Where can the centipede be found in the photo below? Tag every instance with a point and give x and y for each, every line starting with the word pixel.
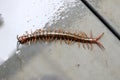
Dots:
pixel 61 35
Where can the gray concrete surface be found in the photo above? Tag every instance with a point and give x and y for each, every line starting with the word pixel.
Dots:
pixel 110 10
pixel 55 61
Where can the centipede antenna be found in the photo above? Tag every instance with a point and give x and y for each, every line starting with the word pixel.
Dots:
pixel 18 45
pixel 18 50
pixel 17 37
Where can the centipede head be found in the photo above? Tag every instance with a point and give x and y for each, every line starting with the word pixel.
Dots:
pixel 22 39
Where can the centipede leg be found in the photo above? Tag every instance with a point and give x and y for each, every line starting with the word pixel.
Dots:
pixel 49 39
pixel 84 46
pixel 29 42
pixel 87 45
pixel 35 40
pixel 70 42
pixel 66 41
pixel 55 40
pixel 78 44
pixel 60 30
pixel 31 31
pixel 91 36
pixel 60 41
pixel 98 43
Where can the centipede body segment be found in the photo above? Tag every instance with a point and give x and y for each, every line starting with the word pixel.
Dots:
pixel 61 35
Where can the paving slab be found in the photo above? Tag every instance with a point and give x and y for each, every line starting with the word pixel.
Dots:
pixel 109 10
pixel 55 61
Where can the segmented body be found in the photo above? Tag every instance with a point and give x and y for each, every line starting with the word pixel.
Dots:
pixel 66 36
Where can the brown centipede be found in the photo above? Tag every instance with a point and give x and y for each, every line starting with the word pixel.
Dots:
pixel 61 35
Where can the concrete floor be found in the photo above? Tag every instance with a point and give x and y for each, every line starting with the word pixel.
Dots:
pixel 55 61
pixel 109 9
